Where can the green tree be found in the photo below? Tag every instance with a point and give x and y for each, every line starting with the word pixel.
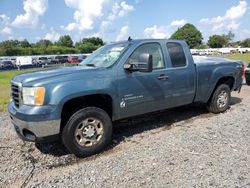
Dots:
pixel 86 47
pixel 65 41
pixel 94 40
pixel 9 47
pixel 63 46
pixel 229 37
pixel 245 43
pixel 217 41
pixel 235 44
pixel 190 34
pixel 24 43
pixel 44 43
pixel 10 43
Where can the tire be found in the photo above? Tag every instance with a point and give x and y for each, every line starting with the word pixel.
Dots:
pixel 248 82
pixel 87 132
pixel 219 102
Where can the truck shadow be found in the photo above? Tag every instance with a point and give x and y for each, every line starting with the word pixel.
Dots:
pixel 123 130
pixel 235 100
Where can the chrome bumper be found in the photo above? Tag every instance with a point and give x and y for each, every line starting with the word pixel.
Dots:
pixel 35 131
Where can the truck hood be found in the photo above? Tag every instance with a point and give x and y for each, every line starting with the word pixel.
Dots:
pixel 50 74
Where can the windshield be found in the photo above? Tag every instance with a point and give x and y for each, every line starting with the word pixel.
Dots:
pixel 105 56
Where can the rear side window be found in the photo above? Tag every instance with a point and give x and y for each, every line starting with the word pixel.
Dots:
pixel 176 54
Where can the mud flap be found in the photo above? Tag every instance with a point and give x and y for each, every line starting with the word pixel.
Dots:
pixel 239 88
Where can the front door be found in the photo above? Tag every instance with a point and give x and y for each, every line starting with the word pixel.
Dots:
pixel 141 92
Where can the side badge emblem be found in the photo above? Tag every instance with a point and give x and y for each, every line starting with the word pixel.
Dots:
pixel 122 104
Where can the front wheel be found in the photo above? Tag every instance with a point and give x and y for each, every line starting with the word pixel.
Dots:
pixel 219 102
pixel 87 132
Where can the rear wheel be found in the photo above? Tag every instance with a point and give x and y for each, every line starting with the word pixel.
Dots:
pixel 87 132
pixel 248 82
pixel 219 102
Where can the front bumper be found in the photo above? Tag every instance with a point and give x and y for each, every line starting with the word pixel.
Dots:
pixel 30 127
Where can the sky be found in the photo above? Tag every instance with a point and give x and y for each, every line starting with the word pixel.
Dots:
pixel 115 20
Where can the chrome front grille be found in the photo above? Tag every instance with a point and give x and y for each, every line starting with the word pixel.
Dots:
pixel 16 93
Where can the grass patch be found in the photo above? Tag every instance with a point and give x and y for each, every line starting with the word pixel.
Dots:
pixel 5 78
pixel 243 57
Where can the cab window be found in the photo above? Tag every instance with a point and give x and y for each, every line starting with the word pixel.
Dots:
pixel 176 54
pixel 153 49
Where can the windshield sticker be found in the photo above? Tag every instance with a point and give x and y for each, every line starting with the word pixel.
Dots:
pixel 116 49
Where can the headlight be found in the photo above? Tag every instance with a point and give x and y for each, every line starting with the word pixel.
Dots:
pixel 33 95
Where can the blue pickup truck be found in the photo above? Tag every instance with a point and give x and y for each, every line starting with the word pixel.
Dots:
pixel 120 80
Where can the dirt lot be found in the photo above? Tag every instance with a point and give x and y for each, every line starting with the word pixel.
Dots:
pixel 183 147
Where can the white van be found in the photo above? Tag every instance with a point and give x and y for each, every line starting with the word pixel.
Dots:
pixel 23 61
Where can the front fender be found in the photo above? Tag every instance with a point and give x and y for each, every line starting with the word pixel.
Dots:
pixel 60 93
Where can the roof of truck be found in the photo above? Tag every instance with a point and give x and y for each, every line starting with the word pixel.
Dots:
pixel 147 40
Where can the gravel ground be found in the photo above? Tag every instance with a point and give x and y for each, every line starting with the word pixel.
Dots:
pixel 183 147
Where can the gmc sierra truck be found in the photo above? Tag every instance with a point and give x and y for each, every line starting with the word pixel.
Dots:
pixel 120 80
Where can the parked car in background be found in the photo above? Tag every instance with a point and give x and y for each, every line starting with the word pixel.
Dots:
pixel 13 60
pixel 34 60
pixel 82 57
pixel 24 61
pixel 74 59
pixel 247 74
pixel 50 60
pixel 59 59
pixel 6 65
pixel 42 61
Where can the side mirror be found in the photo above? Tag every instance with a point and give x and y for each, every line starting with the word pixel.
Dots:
pixel 144 64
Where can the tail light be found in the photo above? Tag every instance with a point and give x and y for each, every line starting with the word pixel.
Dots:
pixel 243 71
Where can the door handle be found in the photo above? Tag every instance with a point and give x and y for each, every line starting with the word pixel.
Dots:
pixel 163 77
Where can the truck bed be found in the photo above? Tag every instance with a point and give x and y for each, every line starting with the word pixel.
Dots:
pixel 211 60
pixel 208 67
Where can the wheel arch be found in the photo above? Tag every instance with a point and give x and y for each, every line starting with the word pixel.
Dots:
pixel 102 100
pixel 228 80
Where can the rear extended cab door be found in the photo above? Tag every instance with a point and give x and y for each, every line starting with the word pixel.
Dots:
pixel 181 72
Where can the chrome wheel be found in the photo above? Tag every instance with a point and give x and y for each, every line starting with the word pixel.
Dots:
pixel 89 132
pixel 222 99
